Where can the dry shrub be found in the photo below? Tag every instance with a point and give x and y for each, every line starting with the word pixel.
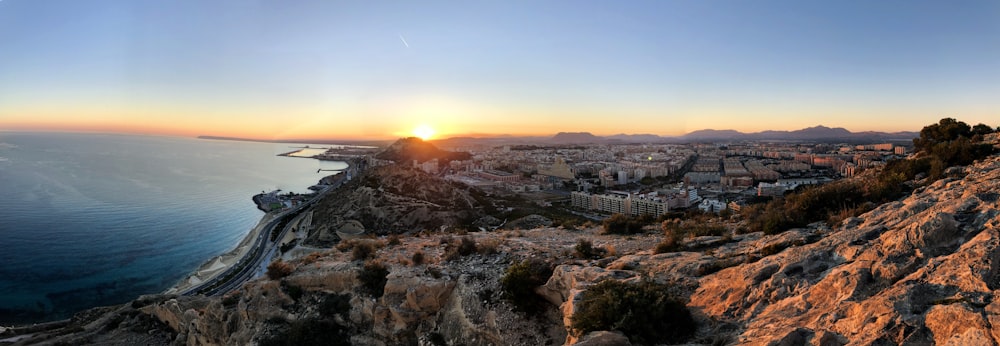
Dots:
pixel 464 247
pixel 394 240
pixel 584 249
pixel 417 258
pixel 362 251
pixel 669 244
pixel 345 245
pixel 488 246
pixel 446 240
pixel 279 269
pixel 312 258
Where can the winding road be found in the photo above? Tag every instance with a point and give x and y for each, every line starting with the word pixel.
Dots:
pixel 255 261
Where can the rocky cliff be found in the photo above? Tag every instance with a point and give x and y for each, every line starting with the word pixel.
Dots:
pixel 921 270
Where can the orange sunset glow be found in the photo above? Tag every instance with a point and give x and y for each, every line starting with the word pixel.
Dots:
pixel 333 71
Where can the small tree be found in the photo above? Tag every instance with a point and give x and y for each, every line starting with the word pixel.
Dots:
pixel 519 282
pixel 373 277
pixel 644 312
pixel 584 249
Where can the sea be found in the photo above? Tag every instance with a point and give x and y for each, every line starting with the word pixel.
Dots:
pixel 90 220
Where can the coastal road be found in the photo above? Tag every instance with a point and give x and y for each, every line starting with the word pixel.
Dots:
pixel 263 249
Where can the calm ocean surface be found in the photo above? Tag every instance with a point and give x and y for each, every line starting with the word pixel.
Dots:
pixel 89 220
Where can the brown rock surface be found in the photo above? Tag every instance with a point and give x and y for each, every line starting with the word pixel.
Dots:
pixel 922 270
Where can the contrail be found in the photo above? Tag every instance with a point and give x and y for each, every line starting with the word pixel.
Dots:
pixel 401 38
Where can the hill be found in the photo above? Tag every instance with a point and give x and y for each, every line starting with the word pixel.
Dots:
pixel 576 138
pixel 406 150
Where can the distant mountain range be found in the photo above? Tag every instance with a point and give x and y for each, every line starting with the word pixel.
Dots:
pixel 818 133
pixel 812 134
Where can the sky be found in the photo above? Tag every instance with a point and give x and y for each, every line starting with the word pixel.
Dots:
pixel 273 69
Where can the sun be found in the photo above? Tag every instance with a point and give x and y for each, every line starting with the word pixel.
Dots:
pixel 424 132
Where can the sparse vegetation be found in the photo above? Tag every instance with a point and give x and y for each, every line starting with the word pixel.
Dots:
pixel 457 249
pixel 312 258
pixel 668 244
pixel 488 246
pixel 362 251
pixel 644 312
pixel 393 240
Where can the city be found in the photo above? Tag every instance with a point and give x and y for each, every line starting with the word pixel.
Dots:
pixel 655 179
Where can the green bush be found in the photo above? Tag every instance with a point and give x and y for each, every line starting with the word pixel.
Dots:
pixel 373 278
pixel 623 224
pixel 644 312
pixel 519 281
pixel 585 249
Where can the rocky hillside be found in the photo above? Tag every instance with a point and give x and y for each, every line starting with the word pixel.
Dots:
pixel 921 270
pixel 397 199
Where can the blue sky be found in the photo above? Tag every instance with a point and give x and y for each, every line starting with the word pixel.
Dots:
pixel 330 68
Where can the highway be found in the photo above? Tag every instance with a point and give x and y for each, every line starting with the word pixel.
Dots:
pixel 255 261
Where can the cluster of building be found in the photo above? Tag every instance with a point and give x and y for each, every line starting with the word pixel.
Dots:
pixel 654 203
pixel 623 178
pixel 528 169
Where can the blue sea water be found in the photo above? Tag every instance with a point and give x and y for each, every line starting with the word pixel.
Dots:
pixel 89 220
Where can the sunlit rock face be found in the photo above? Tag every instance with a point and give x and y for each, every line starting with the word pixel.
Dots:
pixel 922 270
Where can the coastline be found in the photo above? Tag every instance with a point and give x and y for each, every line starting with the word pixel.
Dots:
pixel 218 264
pixel 215 266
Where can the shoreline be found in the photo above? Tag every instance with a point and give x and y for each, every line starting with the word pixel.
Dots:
pixel 218 264
pixel 215 266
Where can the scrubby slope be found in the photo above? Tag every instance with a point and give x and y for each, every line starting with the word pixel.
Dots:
pixel 397 199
